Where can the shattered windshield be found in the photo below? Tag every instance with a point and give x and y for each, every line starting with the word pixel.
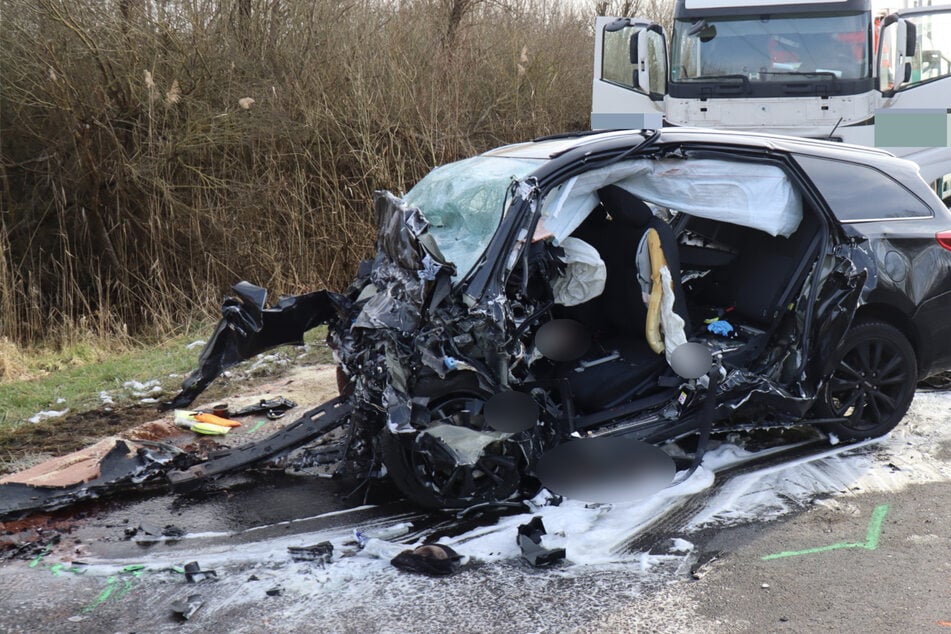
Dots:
pixel 772 48
pixel 463 203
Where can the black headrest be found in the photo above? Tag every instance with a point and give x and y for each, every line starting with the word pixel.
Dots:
pixel 625 207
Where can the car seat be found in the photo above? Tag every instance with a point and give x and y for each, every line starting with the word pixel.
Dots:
pixel 617 318
pixel 756 283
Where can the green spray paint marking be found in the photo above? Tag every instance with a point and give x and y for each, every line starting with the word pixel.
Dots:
pixel 258 426
pixel 131 575
pixel 39 557
pixel 103 596
pixel 136 571
pixel 872 536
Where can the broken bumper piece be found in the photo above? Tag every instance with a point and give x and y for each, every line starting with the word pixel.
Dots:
pixel 186 608
pixel 312 424
pixel 530 542
pixel 322 553
pixel 109 466
pixel 194 573
pixel 248 328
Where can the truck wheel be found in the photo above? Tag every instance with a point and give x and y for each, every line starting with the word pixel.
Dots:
pixel 870 381
pixel 425 470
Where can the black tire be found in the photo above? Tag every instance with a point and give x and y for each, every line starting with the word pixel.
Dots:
pixel 870 380
pixel 427 474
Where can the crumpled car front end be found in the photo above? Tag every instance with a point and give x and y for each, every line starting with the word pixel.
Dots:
pixel 412 348
pixel 420 361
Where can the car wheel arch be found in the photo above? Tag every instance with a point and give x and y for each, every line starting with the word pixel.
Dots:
pixel 894 317
pixel 870 381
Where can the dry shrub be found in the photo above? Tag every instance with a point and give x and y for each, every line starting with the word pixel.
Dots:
pixel 154 153
pixel 13 364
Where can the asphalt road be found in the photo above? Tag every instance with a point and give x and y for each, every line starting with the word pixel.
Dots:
pixel 835 575
pixel 903 584
pixel 862 544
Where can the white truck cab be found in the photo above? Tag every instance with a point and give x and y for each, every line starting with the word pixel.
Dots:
pixel 815 69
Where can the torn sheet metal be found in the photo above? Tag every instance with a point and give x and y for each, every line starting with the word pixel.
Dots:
pixel 750 395
pixel 529 540
pixel 399 410
pixel 322 553
pixel 407 264
pixel 835 306
pixel 312 424
pixel 248 328
pixel 108 467
pixel 115 465
pixel 465 445
pixel 186 607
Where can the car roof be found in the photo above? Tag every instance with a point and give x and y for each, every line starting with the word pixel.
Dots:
pixel 552 147
pixel 548 147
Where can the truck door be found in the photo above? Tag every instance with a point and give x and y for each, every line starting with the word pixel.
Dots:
pixel 914 78
pixel 630 74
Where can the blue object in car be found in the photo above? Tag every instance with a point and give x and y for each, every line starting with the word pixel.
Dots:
pixel 720 327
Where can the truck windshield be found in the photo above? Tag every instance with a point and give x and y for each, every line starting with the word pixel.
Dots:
pixel 463 202
pixel 772 48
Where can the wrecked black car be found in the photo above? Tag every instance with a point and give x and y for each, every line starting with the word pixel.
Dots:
pixel 637 286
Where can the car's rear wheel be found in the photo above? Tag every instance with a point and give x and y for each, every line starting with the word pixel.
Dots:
pixel 870 381
pixel 426 470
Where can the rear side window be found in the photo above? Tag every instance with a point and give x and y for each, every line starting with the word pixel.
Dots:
pixel 857 192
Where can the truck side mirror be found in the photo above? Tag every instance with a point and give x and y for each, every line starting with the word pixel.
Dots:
pixel 909 33
pixel 904 35
pixel 635 60
pixel 911 39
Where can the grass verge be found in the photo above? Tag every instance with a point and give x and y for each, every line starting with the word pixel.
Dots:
pixel 113 392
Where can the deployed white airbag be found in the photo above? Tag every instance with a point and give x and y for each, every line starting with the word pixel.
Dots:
pixel 671 323
pixel 748 194
pixel 584 274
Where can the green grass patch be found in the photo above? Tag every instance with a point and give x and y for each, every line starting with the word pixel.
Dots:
pixel 75 379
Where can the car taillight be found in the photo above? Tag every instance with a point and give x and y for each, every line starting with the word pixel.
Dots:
pixel 944 239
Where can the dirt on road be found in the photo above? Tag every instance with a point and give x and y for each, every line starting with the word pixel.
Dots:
pixel 29 445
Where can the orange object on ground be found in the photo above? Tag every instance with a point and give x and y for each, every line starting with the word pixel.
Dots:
pixel 202 417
